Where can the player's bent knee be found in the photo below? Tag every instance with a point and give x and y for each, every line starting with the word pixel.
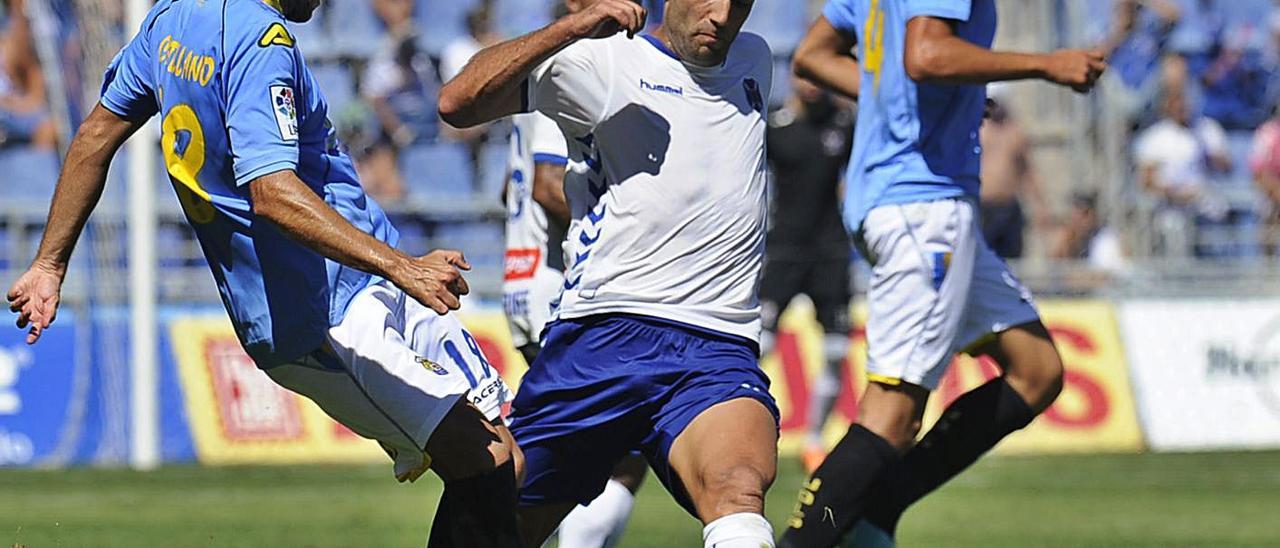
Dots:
pixel 733 490
pixel 1040 381
pixel 466 445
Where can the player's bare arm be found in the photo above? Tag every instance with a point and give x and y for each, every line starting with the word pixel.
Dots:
pixel 285 201
pixel 548 192
pixel 935 54
pixel 825 56
pixel 35 295
pixel 490 86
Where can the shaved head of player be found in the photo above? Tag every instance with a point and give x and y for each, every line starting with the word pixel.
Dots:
pixel 653 343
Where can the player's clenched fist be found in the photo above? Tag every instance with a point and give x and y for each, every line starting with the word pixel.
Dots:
pixel 607 18
pixel 34 297
pixel 434 279
pixel 1077 69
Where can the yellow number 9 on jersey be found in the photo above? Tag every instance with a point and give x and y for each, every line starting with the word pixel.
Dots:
pixel 182 140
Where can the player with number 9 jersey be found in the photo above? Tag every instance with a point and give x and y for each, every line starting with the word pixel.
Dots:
pixel 238 105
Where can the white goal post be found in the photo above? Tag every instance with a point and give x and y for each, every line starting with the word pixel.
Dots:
pixel 144 451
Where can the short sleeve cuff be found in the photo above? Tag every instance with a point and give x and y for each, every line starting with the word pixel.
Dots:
pixel 553 159
pixel 946 9
pixel 250 172
pixel 121 108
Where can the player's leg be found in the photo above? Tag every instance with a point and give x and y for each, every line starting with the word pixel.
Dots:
pixel 601 523
pixel 828 286
pixel 725 460
pixel 713 442
pixel 407 358
pixel 979 419
pixel 463 444
pixel 574 433
pixel 923 257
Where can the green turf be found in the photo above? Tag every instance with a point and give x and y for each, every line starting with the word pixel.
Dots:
pixel 1132 500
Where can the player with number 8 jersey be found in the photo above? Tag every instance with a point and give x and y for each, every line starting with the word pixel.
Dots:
pixel 304 260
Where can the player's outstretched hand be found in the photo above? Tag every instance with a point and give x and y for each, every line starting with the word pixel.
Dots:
pixel 434 279
pixel 34 297
pixel 1077 69
pixel 609 17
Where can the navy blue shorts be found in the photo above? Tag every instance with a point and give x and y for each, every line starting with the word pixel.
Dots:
pixel 604 386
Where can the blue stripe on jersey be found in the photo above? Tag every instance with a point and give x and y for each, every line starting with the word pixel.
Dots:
pixel 553 159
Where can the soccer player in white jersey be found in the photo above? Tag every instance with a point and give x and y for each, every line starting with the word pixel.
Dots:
pixel 936 288
pixel 654 341
pixel 537 220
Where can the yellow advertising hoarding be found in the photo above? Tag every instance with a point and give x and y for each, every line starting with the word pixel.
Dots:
pixel 1095 412
pixel 238 415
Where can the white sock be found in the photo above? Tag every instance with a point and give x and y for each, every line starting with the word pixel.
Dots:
pixel 599 524
pixel 738 531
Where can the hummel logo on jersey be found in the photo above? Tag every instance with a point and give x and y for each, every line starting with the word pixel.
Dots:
pixel 661 88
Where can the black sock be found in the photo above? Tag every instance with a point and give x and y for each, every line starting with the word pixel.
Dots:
pixel 834 499
pixel 974 423
pixel 478 512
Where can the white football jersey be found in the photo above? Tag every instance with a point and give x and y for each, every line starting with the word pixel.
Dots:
pixel 667 183
pixel 534 263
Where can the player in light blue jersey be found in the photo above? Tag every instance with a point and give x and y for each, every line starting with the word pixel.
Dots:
pixel 936 288
pixel 305 261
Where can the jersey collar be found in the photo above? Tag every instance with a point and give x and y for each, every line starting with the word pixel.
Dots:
pixel 275 5
pixel 661 47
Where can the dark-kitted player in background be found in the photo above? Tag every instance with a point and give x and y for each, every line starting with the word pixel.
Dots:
pixel 808 248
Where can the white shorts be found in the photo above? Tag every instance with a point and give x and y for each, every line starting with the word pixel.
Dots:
pixel 393 370
pixel 936 289
pixel 528 304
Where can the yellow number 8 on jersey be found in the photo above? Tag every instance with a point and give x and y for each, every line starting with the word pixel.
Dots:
pixel 182 140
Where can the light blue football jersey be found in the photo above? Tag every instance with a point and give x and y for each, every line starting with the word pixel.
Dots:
pixel 237 102
pixel 914 141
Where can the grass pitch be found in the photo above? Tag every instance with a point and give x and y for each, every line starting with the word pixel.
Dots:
pixel 1223 499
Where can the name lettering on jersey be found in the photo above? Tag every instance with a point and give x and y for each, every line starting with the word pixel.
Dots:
pixel 661 88
pixel 185 63
pixel 276 35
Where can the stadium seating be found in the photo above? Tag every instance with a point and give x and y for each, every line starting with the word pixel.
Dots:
pixel 353 27
pixel 481 242
pixel 782 24
pixel 438 170
pixel 516 17
pixel 31 175
pixel 440 21
pixel 493 159
pixel 337 84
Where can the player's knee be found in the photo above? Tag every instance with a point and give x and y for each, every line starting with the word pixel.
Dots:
pixel 465 445
pixel 1039 381
pixel 736 489
pixel 899 429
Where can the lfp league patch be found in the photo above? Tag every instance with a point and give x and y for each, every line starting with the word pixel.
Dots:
pixel 285 106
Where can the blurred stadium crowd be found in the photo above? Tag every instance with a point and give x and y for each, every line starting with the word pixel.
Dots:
pixel 1175 158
